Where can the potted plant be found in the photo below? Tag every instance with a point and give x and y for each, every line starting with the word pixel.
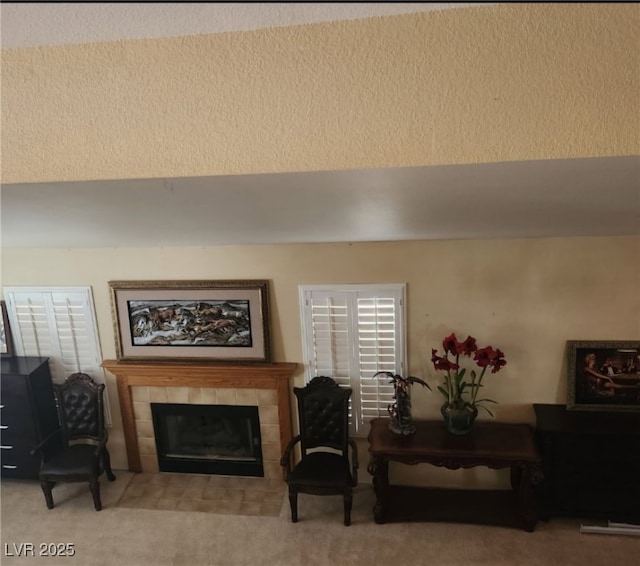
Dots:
pixel 459 390
pixel 400 411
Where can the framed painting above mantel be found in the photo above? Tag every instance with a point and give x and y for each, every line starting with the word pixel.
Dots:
pixel 603 376
pixel 222 321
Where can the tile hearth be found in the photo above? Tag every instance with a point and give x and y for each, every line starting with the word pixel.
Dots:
pixel 205 493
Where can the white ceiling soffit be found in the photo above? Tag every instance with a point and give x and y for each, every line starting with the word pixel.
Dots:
pixel 37 24
pixel 555 198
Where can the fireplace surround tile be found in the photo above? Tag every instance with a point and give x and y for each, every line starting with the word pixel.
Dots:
pixel 177 394
pixel 147 446
pixel 246 397
pixel 266 397
pixel 149 463
pixel 158 395
pixel 263 385
pixel 140 394
pixel 226 397
pixel 208 395
pixel 196 397
pixel 145 429
pixel 268 414
pixel 142 411
pixel 269 430
pixel 271 451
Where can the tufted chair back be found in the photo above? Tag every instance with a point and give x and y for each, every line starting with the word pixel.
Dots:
pixel 323 408
pixel 80 408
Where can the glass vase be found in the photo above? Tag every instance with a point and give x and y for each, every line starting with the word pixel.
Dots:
pixel 459 417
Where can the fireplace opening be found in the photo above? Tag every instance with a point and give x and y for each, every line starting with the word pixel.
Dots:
pixel 208 439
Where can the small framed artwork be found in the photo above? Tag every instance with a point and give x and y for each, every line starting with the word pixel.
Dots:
pixel 222 321
pixel 6 341
pixel 603 376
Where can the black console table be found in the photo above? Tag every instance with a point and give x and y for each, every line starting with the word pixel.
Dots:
pixel 491 444
pixel 590 463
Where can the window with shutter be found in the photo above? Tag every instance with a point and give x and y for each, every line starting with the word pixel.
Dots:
pixel 58 323
pixel 349 333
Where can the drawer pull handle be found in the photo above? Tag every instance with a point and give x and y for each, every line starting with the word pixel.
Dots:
pixel 4 447
pixel 3 427
pixel 6 467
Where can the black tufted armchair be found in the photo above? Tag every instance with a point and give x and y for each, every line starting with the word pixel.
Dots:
pixel 77 451
pixel 324 469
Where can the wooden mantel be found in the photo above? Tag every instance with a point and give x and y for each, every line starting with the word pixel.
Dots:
pixel 174 374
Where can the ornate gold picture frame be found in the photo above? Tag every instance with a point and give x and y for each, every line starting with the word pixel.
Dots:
pixel 224 321
pixel 603 376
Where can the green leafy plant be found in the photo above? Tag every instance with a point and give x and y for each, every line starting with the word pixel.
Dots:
pixel 456 389
pixel 402 382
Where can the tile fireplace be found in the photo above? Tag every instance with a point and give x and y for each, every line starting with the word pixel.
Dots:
pixel 262 386
pixel 208 439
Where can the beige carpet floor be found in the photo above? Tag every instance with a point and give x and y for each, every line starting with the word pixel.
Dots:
pixel 121 536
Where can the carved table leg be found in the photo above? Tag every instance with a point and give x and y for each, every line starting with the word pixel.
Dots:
pixel 379 469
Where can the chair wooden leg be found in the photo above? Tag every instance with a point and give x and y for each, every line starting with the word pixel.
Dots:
pixel 293 502
pixel 107 465
pixel 348 501
pixel 94 486
pixel 47 486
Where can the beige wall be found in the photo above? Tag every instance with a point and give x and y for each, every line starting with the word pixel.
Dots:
pixel 527 297
pixel 505 82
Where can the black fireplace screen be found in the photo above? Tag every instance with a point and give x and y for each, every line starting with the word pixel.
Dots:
pixel 208 439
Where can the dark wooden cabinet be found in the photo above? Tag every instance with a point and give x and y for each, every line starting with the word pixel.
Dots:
pixel 28 414
pixel 590 463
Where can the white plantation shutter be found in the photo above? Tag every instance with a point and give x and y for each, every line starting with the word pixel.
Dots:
pixel 332 333
pixel 350 333
pixel 58 323
pixel 378 350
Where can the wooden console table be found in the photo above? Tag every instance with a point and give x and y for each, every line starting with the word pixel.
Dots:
pixel 491 444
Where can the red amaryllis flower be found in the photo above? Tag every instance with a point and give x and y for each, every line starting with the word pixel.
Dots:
pixel 442 363
pixel 469 346
pixel 484 356
pixel 451 345
pixel 456 388
pixel 498 361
